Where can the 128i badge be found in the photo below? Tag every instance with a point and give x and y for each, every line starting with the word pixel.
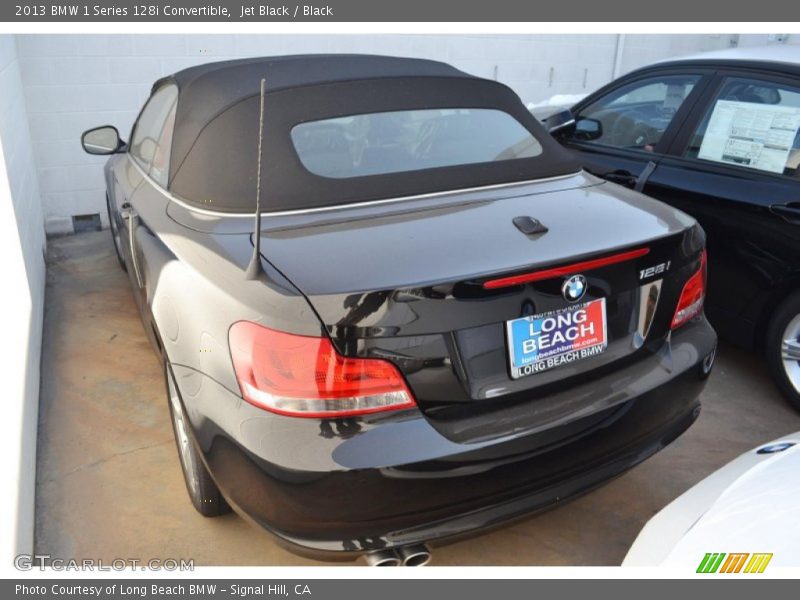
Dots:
pixel 547 340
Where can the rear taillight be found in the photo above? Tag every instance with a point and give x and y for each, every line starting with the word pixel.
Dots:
pixel 690 303
pixel 304 376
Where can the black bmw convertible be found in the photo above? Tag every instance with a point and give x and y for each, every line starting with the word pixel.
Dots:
pixel 391 309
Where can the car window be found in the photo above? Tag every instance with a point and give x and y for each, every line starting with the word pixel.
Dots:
pixel 159 169
pixel 410 140
pixel 754 124
pixel 152 136
pixel 636 115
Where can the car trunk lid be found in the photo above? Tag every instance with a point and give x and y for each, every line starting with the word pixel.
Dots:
pixel 411 281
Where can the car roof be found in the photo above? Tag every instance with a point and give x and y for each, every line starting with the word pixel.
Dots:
pixel 781 56
pixel 215 135
pixel 224 83
pixel 307 69
pixel 209 90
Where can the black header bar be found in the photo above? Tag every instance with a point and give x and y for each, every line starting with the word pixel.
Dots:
pixel 233 11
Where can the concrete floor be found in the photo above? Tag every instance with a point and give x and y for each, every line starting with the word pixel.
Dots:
pixel 109 484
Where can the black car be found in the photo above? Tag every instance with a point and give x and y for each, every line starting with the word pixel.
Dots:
pixel 391 309
pixel 718 136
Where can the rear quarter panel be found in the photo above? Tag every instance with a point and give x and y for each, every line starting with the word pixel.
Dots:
pixel 194 289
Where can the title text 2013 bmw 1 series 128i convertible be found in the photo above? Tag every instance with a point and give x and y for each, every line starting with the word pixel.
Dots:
pixel 437 324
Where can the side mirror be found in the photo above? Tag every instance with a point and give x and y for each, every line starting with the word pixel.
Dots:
pixel 587 129
pixel 559 123
pixel 102 140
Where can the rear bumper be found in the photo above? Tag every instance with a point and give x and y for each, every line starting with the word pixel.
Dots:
pixel 356 485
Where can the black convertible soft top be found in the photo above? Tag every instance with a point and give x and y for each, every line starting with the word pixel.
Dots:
pixel 214 147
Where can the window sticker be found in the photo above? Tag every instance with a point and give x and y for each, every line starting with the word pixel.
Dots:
pixel 753 135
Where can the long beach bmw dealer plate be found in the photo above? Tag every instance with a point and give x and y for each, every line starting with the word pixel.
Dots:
pixel 540 342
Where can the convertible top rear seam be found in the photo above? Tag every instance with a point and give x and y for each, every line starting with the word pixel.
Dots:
pixel 319 209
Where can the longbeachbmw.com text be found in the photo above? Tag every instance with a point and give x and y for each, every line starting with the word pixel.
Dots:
pixel 245 11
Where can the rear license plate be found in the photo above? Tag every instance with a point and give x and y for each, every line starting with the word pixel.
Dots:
pixel 547 340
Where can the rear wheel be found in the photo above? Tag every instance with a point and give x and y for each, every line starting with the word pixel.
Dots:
pixel 783 349
pixel 203 492
pixel 115 236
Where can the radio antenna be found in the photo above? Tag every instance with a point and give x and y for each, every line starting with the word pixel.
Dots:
pixel 254 269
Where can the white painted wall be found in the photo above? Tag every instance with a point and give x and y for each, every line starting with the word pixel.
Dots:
pixel 22 258
pixel 76 82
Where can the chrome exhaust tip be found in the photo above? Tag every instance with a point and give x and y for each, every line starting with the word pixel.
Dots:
pixel 382 558
pixel 414 556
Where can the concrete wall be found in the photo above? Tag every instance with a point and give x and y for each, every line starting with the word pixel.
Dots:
pixel 75 82
pixel 22 258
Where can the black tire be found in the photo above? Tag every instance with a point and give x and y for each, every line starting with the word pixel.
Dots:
pixel 203 492
pixel 112 225
pixel 783 328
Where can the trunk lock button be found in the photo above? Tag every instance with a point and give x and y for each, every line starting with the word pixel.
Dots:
pixel 529 225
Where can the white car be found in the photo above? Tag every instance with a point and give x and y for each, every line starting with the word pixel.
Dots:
pixel 751 506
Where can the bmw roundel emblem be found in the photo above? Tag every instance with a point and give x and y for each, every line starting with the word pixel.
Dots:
pixel 774 448
pixel 574 288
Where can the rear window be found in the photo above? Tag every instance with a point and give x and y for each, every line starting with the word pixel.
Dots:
pixel 410 140
pixel 359 141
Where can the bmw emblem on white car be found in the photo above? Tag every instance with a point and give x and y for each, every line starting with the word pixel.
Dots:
pixel 574 288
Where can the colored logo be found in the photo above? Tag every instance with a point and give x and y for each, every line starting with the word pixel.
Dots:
pixel 736 562
pixel 775 448
pixel 574 288
pixel 556 338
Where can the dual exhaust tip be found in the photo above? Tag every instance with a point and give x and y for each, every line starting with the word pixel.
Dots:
pixel 405 556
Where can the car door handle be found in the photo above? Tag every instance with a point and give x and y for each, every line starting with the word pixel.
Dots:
pixel 126 211
pixel 621 177
pixel 789 212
